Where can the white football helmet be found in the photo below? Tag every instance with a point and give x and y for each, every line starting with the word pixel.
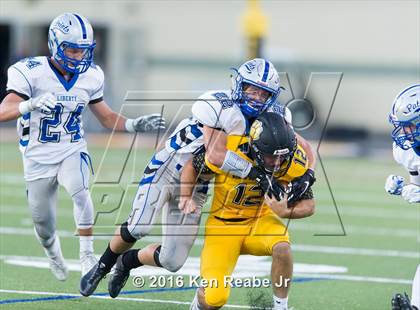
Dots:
pixel 405 116
pixel 71 31
pixel 260 73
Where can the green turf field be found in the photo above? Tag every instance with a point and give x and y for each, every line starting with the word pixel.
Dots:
pixel 361 269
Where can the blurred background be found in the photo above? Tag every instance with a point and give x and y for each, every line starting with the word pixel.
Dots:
pixel 368 49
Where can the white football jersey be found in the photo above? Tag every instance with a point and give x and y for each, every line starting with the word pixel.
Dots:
pixel 408 158
pixel 214 109
pixel 49 138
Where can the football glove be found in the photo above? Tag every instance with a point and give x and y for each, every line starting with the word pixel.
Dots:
pixel 145 123
pixel 268 184
pixel 300 185
pixel 400 302
pixel 394 184
pixel 44 103
pixel 411 193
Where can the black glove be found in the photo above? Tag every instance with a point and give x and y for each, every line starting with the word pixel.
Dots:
pixel 400 302
pixel 300 185
pixel 268 184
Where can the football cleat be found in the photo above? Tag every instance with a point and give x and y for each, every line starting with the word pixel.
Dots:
pixel 118 278
pixel 91 279
pixel 58 267
pixel 87 261
pixel 400 302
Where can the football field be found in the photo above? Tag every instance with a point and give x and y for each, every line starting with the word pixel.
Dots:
pixel 354 255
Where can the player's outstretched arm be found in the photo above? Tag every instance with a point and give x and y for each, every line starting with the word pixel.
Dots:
pixel 13 106
pixel 115 121
pixel 9 107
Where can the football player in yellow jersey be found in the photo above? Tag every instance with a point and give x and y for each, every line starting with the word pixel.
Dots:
pixel 243 220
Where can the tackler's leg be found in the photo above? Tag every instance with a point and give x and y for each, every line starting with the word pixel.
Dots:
pixel 149 200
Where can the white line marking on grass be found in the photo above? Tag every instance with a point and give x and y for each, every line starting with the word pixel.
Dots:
pixel 354 251
pixel 355 278
pixel 161 301
pixel 246 267
pixel 324 228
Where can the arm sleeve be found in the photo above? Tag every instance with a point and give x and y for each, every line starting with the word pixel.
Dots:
pixel 18 82
pixel 207 113
pixel 414 177
pixel 211 113
pixel 98 92
pixel 288 115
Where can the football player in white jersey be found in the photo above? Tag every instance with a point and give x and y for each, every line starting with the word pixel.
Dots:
pixel 405 116
pixel 47 96
pixel 215 115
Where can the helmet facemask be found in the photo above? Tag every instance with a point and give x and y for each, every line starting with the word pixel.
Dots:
pixel 74 65
pixel 273 164
pixel 406 134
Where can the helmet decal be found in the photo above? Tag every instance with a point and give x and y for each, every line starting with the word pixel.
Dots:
pixel 256 130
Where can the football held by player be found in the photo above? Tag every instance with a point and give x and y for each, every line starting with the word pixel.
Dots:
pixel 47 96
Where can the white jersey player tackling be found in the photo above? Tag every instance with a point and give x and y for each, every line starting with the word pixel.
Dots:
pixel 405 116
pixel 216 114
pixel 47 96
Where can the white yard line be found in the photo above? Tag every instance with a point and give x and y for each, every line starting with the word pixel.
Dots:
pixel 199 242
pixel 161 301
pixel 356 278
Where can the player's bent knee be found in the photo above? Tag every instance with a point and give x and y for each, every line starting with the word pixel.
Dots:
pixel 282 250
pixel 125 234
pixel 172 260
pixel 171 265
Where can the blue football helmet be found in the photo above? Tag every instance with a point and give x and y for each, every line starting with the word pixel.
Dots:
pixel 259 73
pixel 405 116
pixel 71 31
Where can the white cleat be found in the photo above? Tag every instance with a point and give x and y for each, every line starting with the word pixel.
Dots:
pixel 87 261
pixel 58 268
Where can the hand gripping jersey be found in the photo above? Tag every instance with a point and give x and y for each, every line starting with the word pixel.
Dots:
pixel 50 138
pixel 236 198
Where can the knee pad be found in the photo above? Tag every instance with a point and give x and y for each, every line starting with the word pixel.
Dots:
pixel 172 258
pixel 156 256
pixel 83 209
pixel 125 234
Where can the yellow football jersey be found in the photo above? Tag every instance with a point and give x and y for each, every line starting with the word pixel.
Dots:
pixel 236 198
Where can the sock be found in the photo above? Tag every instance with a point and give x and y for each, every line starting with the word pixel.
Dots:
pixel 280 303
pixel 86 244
pixel 54 250
pixel 109 258
pixel 415 292
pixel 131 260
pixel 194 304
